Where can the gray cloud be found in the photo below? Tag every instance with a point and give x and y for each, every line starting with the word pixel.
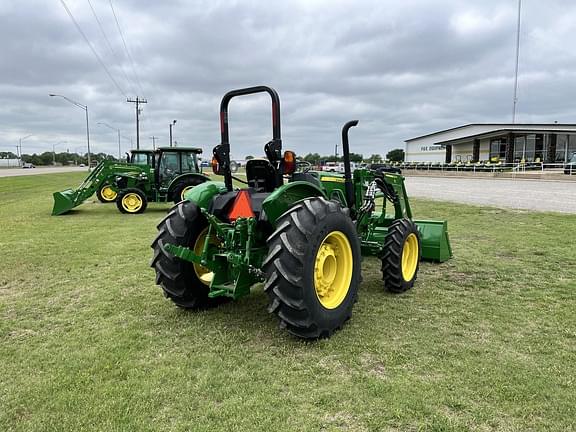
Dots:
pixel 402 68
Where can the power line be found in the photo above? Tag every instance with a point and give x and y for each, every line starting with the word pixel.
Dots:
pixel 114 54
pixel 126 47
pixel 92 48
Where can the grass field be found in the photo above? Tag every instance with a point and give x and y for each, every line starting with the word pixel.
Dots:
pixel 486 341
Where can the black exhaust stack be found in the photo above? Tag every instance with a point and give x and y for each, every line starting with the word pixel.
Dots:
pixel 347 170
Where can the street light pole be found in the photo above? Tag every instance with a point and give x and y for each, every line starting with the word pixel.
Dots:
pixel 171 124
pixel 85 108
pixel 117 130
pixel 19 153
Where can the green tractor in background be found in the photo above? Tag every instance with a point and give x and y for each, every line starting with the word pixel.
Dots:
pixel 301 233
pixel 162 175
pixel 106 194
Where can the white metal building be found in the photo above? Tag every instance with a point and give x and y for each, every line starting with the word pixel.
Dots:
pixel 495 142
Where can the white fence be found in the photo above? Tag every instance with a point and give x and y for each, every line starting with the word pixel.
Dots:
pixel 517 167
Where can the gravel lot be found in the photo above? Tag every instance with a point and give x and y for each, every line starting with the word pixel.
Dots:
pixel 558 196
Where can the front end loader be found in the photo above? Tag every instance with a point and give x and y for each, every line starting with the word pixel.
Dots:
pixel 163 175
pixel 301 233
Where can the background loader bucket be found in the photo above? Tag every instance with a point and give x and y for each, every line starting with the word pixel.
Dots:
pixel 434 240
pixel 64 201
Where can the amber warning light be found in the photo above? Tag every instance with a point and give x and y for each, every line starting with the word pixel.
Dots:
pixel 289 162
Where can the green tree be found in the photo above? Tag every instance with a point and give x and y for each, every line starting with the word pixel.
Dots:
pixel 356 157
pixel 313 158
pixel 331 158
pixel 249 157
pixel 396 155
pixel 375 158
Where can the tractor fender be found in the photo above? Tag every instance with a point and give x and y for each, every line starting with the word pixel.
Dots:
pixel 196 176
pixel 286 196
pixel 203 194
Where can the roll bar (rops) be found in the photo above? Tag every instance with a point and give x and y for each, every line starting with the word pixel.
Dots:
pixel 273 148
pixel 348 187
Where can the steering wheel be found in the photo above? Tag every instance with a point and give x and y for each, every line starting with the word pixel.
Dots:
pixel 303 166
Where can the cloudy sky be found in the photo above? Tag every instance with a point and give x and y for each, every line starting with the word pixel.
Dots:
pixel 403 68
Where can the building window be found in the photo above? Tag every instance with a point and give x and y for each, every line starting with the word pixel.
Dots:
pixel 498 149
pixel 561 142
pixel 520 148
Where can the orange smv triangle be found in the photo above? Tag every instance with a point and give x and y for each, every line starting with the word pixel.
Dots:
pixel 242 207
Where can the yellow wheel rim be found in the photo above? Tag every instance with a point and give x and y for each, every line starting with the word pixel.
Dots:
pixel 108 193
pixel 186 189
pixel 204 274
pixel 333 270
pixel 132 202
pixel 409 257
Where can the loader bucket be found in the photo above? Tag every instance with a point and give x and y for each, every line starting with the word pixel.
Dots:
pixel 434 240
pixel 64 201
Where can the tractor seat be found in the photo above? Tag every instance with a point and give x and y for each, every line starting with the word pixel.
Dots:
pixel 260 175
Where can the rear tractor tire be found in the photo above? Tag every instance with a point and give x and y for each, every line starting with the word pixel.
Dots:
pixel 106 194
pixel 131 201
pixel 182 187
pixel 401 258
pixel 185 283
pixel 313 268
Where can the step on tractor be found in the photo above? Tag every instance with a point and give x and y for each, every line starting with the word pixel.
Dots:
pixel 162 175
pixel 301 233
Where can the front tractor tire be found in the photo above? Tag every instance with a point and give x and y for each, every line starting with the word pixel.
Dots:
pixel 106 194
pixel 183 282
pixel 131 201
pixel 313 268
pixel 401 258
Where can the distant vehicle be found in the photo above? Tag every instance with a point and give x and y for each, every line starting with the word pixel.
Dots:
pixel 570 167
pixel 205 164
pixel 28 165
pixel 81 165
pixel 383 167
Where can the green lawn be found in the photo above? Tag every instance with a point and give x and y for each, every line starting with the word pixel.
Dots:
pixel 486 341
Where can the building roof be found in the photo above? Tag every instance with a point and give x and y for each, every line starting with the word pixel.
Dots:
pixel 478 129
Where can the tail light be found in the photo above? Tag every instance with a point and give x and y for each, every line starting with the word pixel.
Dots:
pixel 289 162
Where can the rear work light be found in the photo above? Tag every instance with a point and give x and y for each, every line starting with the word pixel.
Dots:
pixel 242 207
pixel 289 162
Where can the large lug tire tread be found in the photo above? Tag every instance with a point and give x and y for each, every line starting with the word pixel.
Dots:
pixel 177 277
pixel 398 231
pixel 100 197
pixel 125 192
pixel 180 186
pixel 289 268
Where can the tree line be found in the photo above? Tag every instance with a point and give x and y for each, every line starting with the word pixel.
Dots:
pixel 396 155
pixel 63 158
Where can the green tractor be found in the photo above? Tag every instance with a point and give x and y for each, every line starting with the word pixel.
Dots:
pixel 106 193
pixel 162 175
pixel 301 233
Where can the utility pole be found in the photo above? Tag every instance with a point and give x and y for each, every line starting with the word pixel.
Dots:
pixel 153 138
pixel 515 101
pixel 336 152
pixel 137 101
pixel 171 124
